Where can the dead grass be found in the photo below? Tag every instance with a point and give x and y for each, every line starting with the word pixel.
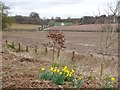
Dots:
pixel 24 26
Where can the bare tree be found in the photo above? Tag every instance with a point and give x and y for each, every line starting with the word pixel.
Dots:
pixel 109 34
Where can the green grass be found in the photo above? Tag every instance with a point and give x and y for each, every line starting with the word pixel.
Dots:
pixel 59 23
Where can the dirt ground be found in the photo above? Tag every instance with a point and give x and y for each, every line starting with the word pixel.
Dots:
pixel 21 69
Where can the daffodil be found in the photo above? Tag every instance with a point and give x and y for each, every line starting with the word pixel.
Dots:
pixel 67 71
pixel 55 70
pixel 42 69
pixel 60 72
pixel 79 78
pixel 65 68
pixel 112 78
pixel 73 71
pixel 67 75
pixel 55 67
pixel 51 69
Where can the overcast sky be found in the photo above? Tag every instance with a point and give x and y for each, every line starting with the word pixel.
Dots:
pixel 61 8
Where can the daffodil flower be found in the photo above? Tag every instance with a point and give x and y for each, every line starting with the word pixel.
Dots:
pixel 55 67
pixel 60 72
pixel 112 78
pixel 51 69
pixel 73 71
pixel 42 69
pixel 79 78
pixel 65 68
pixel 54 70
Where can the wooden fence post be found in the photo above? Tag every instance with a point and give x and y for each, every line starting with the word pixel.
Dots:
pixel 73 55
pixel 46 50
pixel 58 53
pixel 27 48
pixel 6 42
pixel 19 46
pixel 35 48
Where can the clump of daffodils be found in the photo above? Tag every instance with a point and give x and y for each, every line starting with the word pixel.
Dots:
pixel 67 71
pixel 64 70
pixel 60 75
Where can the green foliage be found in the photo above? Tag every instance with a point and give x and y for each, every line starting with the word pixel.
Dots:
pixel 45 75
pixel 6 20
pixel 55 64
pixel 10 46
pixel 77 82
pixel 108 82
pixel 55 23
pixel 58 79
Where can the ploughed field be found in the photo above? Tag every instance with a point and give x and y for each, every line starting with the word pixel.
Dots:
pixel 81 42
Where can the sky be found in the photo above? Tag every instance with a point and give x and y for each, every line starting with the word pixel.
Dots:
pixel 59 8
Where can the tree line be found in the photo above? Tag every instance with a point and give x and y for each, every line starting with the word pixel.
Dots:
pixel 84 20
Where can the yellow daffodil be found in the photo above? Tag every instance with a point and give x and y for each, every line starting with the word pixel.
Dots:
pixel 55 67
pixel 79 78
pixel 67 71
pixel 60 72
pixel 51 69
pixel 55 70
pixel 73 71
pixel 112 78
pixel 65 68
pixel 67 75
pixel 42 69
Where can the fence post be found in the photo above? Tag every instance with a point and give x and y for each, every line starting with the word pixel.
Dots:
pixel 73 55
pixel 27 48
pixel 6 42
pixel 19 46
pixel 58 53
pixel 35 48
pixel 46 50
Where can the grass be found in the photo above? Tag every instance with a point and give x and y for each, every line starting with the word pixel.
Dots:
pixel 59 23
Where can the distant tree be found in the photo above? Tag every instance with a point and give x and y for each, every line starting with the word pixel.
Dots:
pixel 18 19
pixel 6 20
pixel 58 19
pixel 34 15
pixel 102 18
pixel 52 18
pixel 87 20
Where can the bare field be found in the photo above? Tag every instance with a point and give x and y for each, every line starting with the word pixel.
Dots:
pixel 21 69
pixel 84 27
pixel 82 42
